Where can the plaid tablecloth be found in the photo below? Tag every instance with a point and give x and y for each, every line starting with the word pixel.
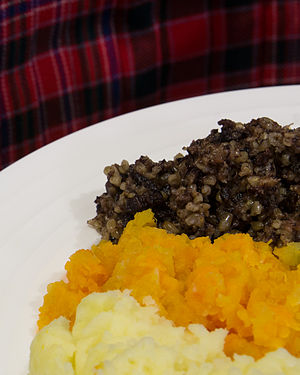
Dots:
pixel 66 64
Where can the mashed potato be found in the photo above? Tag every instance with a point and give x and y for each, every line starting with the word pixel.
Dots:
pixel 113 334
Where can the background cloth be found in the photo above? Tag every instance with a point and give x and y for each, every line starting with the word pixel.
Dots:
pixel 67 64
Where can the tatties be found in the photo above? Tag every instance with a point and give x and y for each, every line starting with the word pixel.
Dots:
pixel 114 334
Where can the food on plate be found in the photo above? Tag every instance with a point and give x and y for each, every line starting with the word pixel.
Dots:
pixel 244 178
pixel 114 334
pixel 235 283
pixel 198 269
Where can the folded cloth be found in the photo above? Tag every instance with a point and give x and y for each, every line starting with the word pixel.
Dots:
pixel 66 64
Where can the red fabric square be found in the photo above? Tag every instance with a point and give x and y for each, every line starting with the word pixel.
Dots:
pixel 187 89
pixel 292 18
pixel 188 37
pixel 7 94
pixel 125 55
pixel 47 75
pixel 269 74
pixel 28 21
pixel 289 72
pixel 218 29
pixel 75 67
pixel 20 88
pixel 90 57
pixel 216 83
pixel 105 69
pixel 271 20
pixel 33 96
pixel 45 15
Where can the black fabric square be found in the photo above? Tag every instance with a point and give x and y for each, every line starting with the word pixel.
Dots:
pixel 165 75
pixel 175 9
pixel 93 99
pixel 92 26
pixel 30 123
pixel 78 30
pixel 4 134
pixel 288 51
pixel 238 59
pixel 145 83
pixel 11 54
pixel 22 51
pixel 106 22
pixel 87 94
pixel 281 49
pixel 53 111
pixel 163 10
pixel 19 128
pixel 238 3
pixel 140 17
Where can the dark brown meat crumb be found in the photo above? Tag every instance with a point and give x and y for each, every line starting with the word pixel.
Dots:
pixel 244 178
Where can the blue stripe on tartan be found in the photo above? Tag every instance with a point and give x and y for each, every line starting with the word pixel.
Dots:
pixel 23 7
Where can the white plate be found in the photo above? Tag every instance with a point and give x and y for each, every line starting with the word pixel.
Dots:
pixel 46 197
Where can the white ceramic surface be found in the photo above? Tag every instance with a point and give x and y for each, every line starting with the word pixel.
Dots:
pixel 46 197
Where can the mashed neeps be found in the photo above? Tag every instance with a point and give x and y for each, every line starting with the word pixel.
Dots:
pixel 234 283
pixel 113 334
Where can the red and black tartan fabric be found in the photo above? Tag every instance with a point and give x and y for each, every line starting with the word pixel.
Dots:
pixel 66 64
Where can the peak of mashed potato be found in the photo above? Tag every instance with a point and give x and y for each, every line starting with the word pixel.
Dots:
pixel 114 334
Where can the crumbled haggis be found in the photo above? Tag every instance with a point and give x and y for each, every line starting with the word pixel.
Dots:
pixel 244 178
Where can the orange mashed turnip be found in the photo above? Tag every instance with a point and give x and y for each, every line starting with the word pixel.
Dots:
pixel 234 283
